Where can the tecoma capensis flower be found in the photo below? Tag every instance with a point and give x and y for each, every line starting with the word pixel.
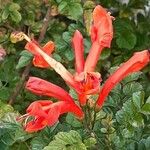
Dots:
pixel 85 81
pixel 134 64
pixel 45 112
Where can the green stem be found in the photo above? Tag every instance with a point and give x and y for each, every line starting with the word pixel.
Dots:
pixel 93 123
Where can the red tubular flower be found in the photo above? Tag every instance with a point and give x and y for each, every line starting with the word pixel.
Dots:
pixel 135 63
pixel 101 36
pixel 46 113
pixel 42 87
pixel 89 83
pixel 77 42
pixel 35 49
pixel 38 60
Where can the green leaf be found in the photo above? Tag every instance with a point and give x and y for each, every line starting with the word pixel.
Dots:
pixel 38 143
pixel 69 55
pixel 15 16
pixel 70 119
pixel 14 6
pixel 57 57
pixel 5 14
pixel 146 109
pixel 75 11
pixel 90 142
pixel 138 99
pixel 72 9
pixel 26 53
pixel 62 7
pixel 66 141
pixel 67 37
pixel 105 54
pixel 132 87
pixel 126 39
pixel 133 77
pixel 4 108
pixel 25 59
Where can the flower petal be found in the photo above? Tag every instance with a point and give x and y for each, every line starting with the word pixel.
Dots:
pixel 92 57
pixel 43 87
pixel 77 42
pixel 57 66
pixel 38 60
pixel 36 125
pixel 135 63
pixel 37 108
pixel 101 36
pixel 103 24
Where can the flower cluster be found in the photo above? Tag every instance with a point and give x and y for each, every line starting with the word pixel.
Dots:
pixel 85 81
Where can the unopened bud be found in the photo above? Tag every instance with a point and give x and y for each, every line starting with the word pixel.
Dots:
pixel 16 37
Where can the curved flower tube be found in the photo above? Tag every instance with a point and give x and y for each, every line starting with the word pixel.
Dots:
pixel 46 113
pixel 43 87
pixel 135 63
pixel 57 66
pixel 38 60
pixel 77 42
pixel 101 36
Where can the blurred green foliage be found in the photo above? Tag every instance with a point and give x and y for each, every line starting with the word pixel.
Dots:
pixel 124 121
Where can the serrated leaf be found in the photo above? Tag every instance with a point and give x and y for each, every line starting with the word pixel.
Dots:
pixel 146 109
pixel 75 11
pixel 5 14
pixel 70 119
pixel 5 108
pixel 126 39
pixel 62 7
pixel 69 55
pixel 66 141
pixel 26 53
pixel 138 99
pixel 132 87
pixel 71 9
pixel 13 6
pixel 15 16
pixel 23 61
pixel 133 77
pixel 67 37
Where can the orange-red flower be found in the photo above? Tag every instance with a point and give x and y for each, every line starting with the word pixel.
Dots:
pixel 101 36
pixel 41 87
pixel 38 60
pixel 44 112
pixel 89 84
pixel 85 81
pixel 134 64
pixel 77 42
